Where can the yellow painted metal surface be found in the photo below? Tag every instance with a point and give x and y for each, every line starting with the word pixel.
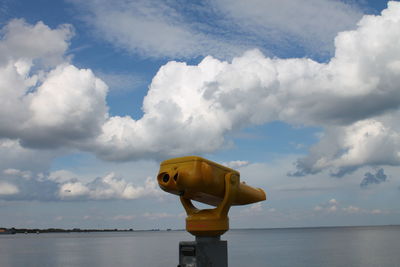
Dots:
pixel 202 180
pixel 196 178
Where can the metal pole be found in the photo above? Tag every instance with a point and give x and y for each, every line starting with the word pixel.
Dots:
pixel 203 252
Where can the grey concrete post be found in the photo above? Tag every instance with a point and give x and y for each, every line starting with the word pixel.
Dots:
pixel 203 252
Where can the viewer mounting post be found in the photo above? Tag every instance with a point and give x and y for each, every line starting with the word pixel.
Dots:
pixel 195 178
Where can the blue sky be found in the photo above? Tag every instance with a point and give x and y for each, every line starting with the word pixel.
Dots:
pixel 302 97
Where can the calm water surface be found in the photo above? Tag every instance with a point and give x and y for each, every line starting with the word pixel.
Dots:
pixel 350 246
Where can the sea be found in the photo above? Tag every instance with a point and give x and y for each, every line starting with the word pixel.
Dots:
pixel 300 247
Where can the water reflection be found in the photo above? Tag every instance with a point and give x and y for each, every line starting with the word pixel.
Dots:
pixel 358 246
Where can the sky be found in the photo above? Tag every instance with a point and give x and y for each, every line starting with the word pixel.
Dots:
pixel 301 97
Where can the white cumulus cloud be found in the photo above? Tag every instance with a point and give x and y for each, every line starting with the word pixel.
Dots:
pixel 329 206
pixel 8 188
pixel 64 185
pixel 44 45
pixel 354 96
pixel 13 156
pixel 45 101
pixel 108 187
pixel 236 163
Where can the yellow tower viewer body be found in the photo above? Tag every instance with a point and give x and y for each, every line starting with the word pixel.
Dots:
pixel 196 178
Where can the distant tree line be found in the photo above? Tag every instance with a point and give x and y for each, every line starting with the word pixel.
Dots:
pixel 58 230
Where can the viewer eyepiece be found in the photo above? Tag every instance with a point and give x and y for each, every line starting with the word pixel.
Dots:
pixel 165 178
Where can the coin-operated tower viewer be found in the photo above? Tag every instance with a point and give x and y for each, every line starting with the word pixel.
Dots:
pixel 199 179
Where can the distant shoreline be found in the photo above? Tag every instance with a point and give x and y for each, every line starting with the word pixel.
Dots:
pixel 319 227
pixel 78 230
pixel 59 230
